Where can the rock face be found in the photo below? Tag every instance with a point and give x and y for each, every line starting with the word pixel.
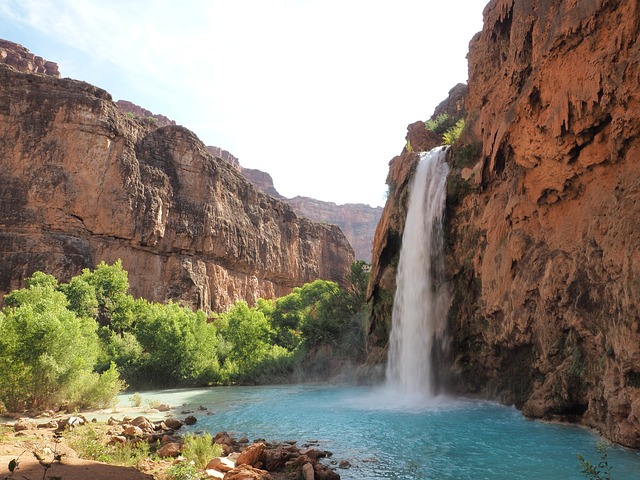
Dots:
pixel 226 156
pixel 129 107
pixel 23 60
pixel 356 220
pixel 262 181
pixel 544 243
pixel 84 182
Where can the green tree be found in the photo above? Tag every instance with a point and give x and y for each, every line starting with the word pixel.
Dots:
pixel 178 343
pixel 249 333
pixel 45 348
pixel 103 294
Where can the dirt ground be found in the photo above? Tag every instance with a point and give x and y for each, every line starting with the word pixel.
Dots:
pixel 25 444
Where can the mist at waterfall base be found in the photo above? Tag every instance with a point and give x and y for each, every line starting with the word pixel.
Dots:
pixel 404 429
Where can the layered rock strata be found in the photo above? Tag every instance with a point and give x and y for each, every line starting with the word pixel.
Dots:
pixel 23 60
pixel 544 244
pixel 84 182
pixel 356 220
pixel 129 107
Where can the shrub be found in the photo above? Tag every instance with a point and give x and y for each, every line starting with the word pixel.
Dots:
pixel 183 471
pixel 47 352
pixel 440 124
pixel 453 133
pixel 135 400
pixel 87 441
pixel 467 155
pixel 200 449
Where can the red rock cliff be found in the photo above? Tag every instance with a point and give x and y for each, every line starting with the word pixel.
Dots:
pixel 84 182
pixel 544 242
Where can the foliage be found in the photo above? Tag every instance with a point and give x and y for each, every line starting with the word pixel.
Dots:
pixel 408 147
pixel 601 471
pixel 177 343
pixel 183 471
pixel 87 441
pixel 135 399
pixel 39 333
pixel 457 189
pixel 200 449
pixel 467 155
pixel 440 124
pixel 78 344
pixel 453 133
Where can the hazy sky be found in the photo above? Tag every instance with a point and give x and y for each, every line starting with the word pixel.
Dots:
pixel 316 92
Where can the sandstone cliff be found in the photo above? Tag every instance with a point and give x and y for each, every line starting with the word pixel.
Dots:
pixel 544 243
pixel 23 60
pixel 356 220
pixel 131 108
pixel 84 182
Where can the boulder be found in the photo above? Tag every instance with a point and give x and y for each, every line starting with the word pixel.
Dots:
pixel 276 458
pixel 322 472
pixel 172 449
pixel 173 423
pixel 143 423
pixel 307 472
pixel 190 420
pixel 133 431
pixel 221 464
pixel 223 438
pixel 251 455
pixel 214 474
pixel 246 472
pixel 24 424
pixel 49 424
pixel 117 440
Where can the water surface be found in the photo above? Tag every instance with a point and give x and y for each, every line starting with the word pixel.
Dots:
pixel 384 437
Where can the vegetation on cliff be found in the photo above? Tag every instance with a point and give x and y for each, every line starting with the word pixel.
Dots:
pixel 78 344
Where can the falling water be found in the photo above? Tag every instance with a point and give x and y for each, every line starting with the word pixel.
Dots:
pixel 421 299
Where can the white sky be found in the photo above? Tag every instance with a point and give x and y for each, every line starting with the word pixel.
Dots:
pixel 318 93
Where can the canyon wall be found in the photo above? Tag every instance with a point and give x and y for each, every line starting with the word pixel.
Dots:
pixel 543 201
pixel 357 221
pixel 83 182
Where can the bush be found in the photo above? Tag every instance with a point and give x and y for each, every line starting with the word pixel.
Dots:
pixel 440 124
pixel 453 133
pixel 47 352
pixel 200 449
pixel 467 155
pixel 135 400
pixel 183 471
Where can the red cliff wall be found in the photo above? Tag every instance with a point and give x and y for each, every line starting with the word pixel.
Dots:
pixel 543 208
pixel 547 252
pixel 83 182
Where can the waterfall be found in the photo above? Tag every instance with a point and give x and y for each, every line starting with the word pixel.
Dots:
pixel 422 298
